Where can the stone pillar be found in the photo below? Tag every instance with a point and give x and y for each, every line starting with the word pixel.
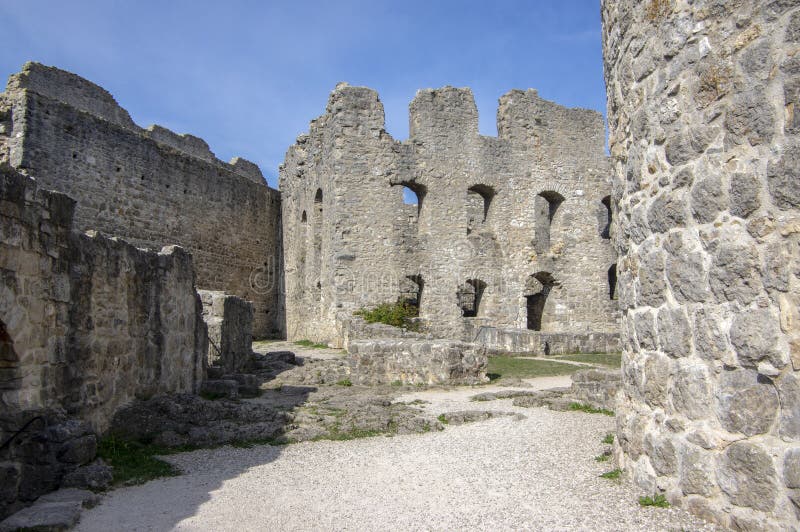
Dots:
pixel 702 100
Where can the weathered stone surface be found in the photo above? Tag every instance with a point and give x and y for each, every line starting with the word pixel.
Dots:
pixel 94 476
pixel 754 336
pixel 105 297
pixel 151 187
pixel 540 343
pixel 744 194
pixel 747 403
pixel 697 472
pixel 87 324
pixel 417 361
pixel 783 178
pixel 789 392
pixel 596 387
pixel 491 212
pixel 791 468
pixel 230 330
pixel 44 517
pixel 723 80
pixel 748 476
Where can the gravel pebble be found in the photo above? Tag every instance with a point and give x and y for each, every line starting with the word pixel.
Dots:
pixel 536 473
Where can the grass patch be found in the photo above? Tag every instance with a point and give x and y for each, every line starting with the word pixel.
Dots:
pixel 506 367
pixel 613 475
pixel 589 409
pixel 336 434
pixel 312 345
pixel 442 419
pixel 134 462
pixel 213 396
pixel 344 382
pixel 609 439
pixel 397 383
pixel 398 314
pixel 602 458
pixel 659 501
pixel 612 360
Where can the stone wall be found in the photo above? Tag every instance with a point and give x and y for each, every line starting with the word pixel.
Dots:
pixel 502 224
pixel 88 323
pixel 538 343
pixel 151 186
pixel 230 324
pixel 703 117
pixel 412 361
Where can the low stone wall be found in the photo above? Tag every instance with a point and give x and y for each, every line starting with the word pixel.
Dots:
pixel 230 330
pixel 540 343
pixel 416 362
pixel 352 328
pixel 597 387
pixel 87 324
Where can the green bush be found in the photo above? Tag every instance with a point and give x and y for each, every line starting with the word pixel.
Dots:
pixel 399 314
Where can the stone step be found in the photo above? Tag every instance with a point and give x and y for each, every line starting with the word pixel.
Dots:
pixel 54 512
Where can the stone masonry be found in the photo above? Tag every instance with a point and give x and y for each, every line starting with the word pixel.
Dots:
pixel 510 231
pixel 149 186
pixel 87 324
pixel 703 115
pixel 230 325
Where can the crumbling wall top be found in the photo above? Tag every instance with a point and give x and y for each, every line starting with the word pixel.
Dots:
pixel 71 89
pixel 523 116
pixel 448 109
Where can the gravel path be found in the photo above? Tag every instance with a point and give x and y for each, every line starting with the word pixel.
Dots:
pixel 538 473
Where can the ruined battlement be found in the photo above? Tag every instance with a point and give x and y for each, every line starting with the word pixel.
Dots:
pixel 446 117
pixel 151 186
pixel 71 90
pixel 83 95
pixel 491 211
pixel 446 112
pixel 524 117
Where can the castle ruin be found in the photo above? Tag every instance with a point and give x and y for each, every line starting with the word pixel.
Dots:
pixel 510 232
pixel 512 245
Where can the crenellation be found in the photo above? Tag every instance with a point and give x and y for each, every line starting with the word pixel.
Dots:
pixel 474 221
pixel 447 112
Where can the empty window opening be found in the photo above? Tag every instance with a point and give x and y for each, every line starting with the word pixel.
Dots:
pixel 316 242
pixel 7 353
pixel 537 289
pixel 413 194
pixel 605 217
pixel 469 297
pixel 545 206
pixel 304 217
pixel 411 288
pixel 479 200
pixel 612 282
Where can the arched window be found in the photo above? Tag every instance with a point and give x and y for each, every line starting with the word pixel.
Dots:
pixel 469 297
pixel 304 217
pixel 612 282
pixel 605 217
pixel 413 194
pixel 479 200
pixel 537 288
pixel 545 206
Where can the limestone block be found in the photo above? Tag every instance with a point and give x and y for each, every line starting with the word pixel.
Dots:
pixel 417 362
pixel 230 324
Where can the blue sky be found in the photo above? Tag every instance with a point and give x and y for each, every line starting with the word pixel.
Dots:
pixel 248 76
